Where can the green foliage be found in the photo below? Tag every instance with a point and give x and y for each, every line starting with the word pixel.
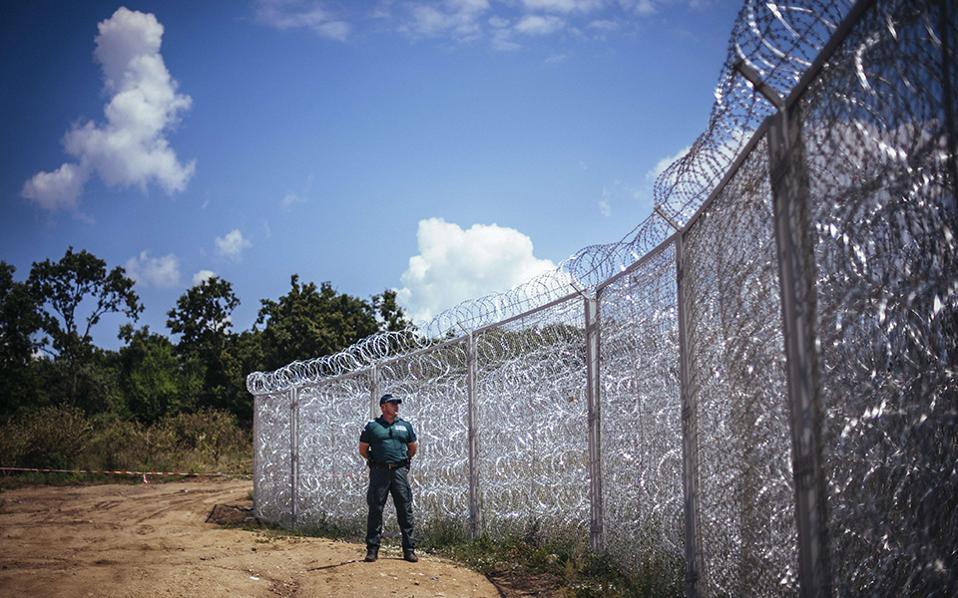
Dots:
pixel 390 316
pixel 151 377
pixel 154 380
pixel 45 437
pixel 310 322
pixel 19 322
pixel 62 288
pixel 202 315
pixel 63 437
pixel 202 319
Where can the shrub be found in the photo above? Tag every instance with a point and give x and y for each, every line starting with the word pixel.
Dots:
pixel 45 437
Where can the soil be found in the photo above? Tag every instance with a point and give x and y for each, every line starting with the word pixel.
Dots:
pixel 156 540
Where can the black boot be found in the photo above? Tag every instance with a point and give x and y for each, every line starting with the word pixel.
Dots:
pixel 372 553
pixel 410 555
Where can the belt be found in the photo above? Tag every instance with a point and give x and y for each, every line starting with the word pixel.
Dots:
pixel 390 466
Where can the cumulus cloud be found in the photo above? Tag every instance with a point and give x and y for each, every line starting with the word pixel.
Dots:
pixel 455 264
pixel 563 6
pixel 58 189
pixel 202 276
pixel 539 24
pixel 458 18
pixel 302 14
pixel 130 148
pixel 232 244
pixel 665 162
pixel 162 271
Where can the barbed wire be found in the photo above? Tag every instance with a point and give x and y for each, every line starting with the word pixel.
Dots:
pixel 778 40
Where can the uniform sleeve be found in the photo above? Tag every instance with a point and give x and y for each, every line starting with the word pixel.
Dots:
pixel 364 436
pixel 412 433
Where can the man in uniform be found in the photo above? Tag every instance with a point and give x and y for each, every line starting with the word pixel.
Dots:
pixel 388 443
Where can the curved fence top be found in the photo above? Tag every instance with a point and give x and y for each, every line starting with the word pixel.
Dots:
pixel 778 41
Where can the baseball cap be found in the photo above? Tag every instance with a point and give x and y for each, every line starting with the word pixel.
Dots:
pixel 388 398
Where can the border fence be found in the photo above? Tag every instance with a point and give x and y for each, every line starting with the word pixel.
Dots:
pixel 758 384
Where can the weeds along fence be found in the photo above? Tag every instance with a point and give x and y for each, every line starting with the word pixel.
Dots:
pixel 758 384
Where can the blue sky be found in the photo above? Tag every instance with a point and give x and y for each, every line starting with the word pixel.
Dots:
pixel 446 149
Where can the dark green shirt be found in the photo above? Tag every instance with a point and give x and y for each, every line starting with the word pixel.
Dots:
pixel 387 441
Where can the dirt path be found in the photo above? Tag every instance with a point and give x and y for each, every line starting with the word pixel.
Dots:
pixel 151 540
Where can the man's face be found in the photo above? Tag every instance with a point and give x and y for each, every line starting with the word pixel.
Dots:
pixel 390 409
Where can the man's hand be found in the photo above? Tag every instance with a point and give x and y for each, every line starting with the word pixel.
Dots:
pixel 411 449
pixel 364 450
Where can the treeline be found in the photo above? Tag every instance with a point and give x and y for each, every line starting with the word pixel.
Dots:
pixel 48 358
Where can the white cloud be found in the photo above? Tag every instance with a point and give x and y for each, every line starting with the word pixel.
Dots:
pixel 604 208
pixel 291 199
pixel 130 148
pixel 459 18
pixel 557 58
pixel 58 189
pixel 302 14
pixel 665 162
pixel 232 244
pixel 455 264
pixel 202 276
pixel 563 6
pixel 539 24
pixel 645 8
pixel 162 271
pixel 603 25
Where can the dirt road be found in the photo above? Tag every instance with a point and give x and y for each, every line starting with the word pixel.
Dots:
pixel 151 540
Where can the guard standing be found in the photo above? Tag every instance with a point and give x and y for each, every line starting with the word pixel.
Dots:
pixel 388 443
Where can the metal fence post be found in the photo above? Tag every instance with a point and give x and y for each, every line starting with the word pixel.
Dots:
pixel 257 458
pixel 374 392
pixel 596 533
pixel 475 522
pixel 294 451
pixel 694 563
pixel 790 196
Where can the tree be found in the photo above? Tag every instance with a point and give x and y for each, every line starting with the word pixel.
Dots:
pixel 310 322
pixel 202 314
pixel 19 323
pixel 390 316
pixel 153 380
pixel 202 319
pixel 61 288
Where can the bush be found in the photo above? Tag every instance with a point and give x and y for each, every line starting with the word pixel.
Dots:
pixel 44 437
pixel 63 438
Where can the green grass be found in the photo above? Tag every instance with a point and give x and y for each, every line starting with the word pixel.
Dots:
pixel 557 562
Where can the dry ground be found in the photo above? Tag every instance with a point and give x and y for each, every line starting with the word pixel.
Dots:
pixel 152 540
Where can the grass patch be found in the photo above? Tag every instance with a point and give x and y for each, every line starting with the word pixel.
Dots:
pixel 524 560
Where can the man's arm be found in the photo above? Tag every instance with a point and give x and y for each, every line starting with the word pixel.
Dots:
pixel 364 450
pixel 411 449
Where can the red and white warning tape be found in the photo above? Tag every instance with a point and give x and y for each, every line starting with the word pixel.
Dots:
pixel 116 472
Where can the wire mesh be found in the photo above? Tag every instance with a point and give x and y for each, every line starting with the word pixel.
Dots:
pixel 737 379
pixel 432 385
pixel 878 125
pixel 272 457
pixel 641 416
pixel 332 482
pixel 533 449
pixel 884 218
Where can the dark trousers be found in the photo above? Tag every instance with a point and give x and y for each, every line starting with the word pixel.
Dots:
pixel 382 483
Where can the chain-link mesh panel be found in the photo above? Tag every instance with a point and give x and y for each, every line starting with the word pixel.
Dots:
pixel 737 379
pixel 533 449
pixel 332 475
pixel 272 466
pixel 641 417
pixel 881 162
pixel 432 386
